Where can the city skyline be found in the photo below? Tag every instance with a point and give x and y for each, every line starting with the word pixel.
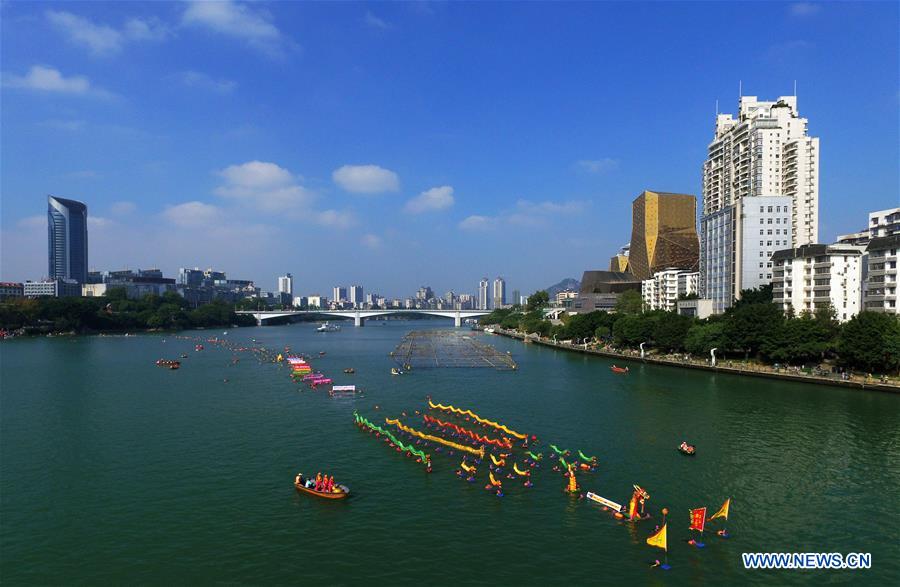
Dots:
pixel 180 167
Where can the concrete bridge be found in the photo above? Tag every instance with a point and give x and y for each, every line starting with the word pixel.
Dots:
pixel 359 316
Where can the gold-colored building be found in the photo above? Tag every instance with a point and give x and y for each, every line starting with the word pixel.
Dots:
pixel 663 233
pixel 618 263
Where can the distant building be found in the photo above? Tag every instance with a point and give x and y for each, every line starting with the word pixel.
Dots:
pixel 514 298
pixel 316 301
pixel 737 247
pixel 484 298
pixel 190 277
pixel 286 284
pixel 466 302
pixel 812 277
pixel 357 297
pixel 619 262
pixel 881 223
pixel 67 237
pixel 54 288
pixel 881 278
pixel 695 308
pixel 339 294
pixel 566 294
pixel 499 293
pixel 601 289
pixel 663 233
pixel 661 292
pixel 9 290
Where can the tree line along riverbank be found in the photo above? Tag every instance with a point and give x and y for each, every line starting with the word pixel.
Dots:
pixel 754 333
pixel 114 312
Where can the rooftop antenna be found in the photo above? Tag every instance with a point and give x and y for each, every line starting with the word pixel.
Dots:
pixel 717 107
pixel 795 88
pixel 740 89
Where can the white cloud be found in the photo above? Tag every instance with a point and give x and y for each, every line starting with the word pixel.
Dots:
pixel 98 222
pixel 151 29
pixel 122 208
pixel 433 200
pixel 377 23
pixel 268 188
pixel 36 221
pixel 257 174
pixel 101 39
pixel 200 80
pixel 603 165
pixel 476 222
pixel 193 214
pixel 239 21
pixel 41 78
pixel 804 8
pixel 371 241
pixel 335 219
pixel 366 179
pixel 525 213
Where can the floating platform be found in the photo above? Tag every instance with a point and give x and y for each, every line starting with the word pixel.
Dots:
pixel 430 349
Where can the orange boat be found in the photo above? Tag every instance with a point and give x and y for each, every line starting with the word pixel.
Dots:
pixel 619 369
pixel 341 492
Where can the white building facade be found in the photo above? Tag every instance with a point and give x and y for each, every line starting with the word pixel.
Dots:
pixel 881 275
pixel 812 277
pixel 764 153
pixel 357 297
pixel 286 284
pixel 499 299
pixel 484 298
pixel 661 292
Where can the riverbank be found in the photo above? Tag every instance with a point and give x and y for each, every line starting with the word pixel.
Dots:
pixel 740 369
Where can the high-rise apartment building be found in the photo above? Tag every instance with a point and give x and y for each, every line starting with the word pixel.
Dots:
pixel 357 298
pixel 286 284
pixel 499 297
pixel 339 294
pixel 812 277
pixel 765 153
pixel 663 233
pixel 881 223
pixel 67 239
pixel 484 298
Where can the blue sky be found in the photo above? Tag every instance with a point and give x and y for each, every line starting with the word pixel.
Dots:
pixel 402 144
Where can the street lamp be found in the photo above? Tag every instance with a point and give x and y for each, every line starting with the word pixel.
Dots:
pixel 712 353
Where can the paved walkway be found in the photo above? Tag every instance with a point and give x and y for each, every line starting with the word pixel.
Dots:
pixel 727 366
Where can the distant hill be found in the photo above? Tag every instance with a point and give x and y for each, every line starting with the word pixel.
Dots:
pixel 567 283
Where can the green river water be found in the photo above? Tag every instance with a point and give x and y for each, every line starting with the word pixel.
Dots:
pixel 115 471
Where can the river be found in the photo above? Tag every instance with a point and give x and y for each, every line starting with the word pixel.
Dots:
pixel 113 470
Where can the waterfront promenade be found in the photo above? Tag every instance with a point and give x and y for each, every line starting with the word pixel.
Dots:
pixel 726 366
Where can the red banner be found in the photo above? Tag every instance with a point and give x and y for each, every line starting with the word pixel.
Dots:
pixel 698 519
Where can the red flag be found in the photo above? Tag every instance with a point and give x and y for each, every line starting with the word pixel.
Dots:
pixel 698 519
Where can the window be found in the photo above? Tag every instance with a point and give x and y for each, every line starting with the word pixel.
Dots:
pixel 770 221
pixel 770 207
pixel 761 209
pixel 760 232
pixel 760 275
pixel 768 276
pixel 760 264
pixel 760 253
pixel 778 221
pixel 769 265
pixel 761 221
pixel 760 243
pixel 769 243
pixel 770 232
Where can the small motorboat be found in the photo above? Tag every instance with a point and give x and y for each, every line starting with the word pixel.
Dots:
pixel 321 353
pixel 687 449
pixel 340 491
pixel 168 363
pixel 616 369
pixel 184 355
pixel 396 371
pixel 349 370
pixel 328 327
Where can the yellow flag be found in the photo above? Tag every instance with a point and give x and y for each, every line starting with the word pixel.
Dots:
pixel 723 512
pixel 659 539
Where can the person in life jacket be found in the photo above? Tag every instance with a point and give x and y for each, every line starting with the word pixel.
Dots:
pixel 319 481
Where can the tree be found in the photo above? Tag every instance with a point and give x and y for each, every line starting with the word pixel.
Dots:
pixel 798 340
pixel 871 341
pixel 630 302
pixel 633 329
pixel 705 336
pixel 747 326
pixel 760 295
pixel 671 331
pixel 537 300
